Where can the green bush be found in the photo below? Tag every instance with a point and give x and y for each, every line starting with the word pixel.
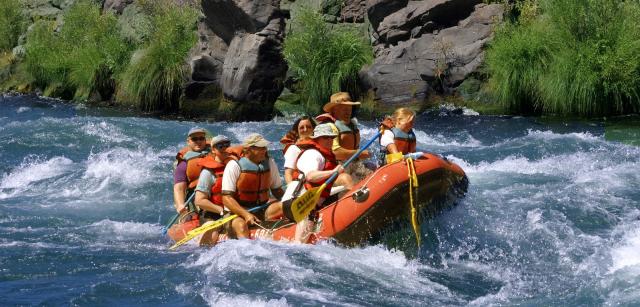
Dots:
pixel 574 57
pixel 82 58
pixel 156 74
pixel 12 23
pixel 324 60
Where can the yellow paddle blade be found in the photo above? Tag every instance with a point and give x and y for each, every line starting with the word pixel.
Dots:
pixel 202 229
pixel 303 205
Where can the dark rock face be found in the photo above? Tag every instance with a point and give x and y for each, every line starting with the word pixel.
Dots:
pixel 430 14
pixel 377 10
pixel 239 51
pixel 434 59
pixel 227 17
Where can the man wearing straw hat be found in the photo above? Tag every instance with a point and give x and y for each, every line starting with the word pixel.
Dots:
pixel 338 116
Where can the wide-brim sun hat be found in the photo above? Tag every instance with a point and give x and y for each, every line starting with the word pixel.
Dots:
pixel 339 98
pixel 255 140
pixel 323 130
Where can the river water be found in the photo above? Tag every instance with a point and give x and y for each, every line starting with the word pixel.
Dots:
pixel 552 217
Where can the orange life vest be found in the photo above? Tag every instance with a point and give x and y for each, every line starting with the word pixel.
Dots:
pixel 194 167
pixel 286 141
pixel 329 164
pixel 404 141
pixel 348 133
pixel 252 187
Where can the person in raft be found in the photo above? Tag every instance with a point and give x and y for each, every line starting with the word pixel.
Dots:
pixel 398 138
pixel 183 180
pixel 208 191
pixel 246 184
pixel 301 130
pixel 347 142
pixel 317 163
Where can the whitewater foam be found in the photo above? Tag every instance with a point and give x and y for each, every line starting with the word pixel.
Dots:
pixel 34 169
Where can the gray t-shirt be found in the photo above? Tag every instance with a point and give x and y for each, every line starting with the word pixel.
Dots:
pixel 205 182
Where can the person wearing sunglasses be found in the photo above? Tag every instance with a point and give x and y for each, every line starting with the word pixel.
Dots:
pixel 184 178
pixel 208 196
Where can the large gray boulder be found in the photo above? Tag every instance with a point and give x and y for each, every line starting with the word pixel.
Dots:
pixel 227 17
pixel 377 10
pixel 239 54
pixel 420 17
pixel 406 71
pixel 254 71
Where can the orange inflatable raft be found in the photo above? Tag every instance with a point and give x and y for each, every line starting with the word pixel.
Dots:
pixel 380 200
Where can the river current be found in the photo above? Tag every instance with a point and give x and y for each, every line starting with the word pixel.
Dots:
pixel 552 217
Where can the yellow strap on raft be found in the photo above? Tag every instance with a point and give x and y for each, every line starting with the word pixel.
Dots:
pixel 394 157
pixel 413 183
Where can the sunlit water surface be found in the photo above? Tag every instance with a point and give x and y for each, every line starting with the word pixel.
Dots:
pixel 551 218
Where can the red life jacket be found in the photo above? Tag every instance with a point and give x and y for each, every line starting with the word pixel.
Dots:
pixel 329 164
pixel 252 187
pixel 217 169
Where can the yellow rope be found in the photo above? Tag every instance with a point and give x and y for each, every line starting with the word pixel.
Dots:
pixel 413 183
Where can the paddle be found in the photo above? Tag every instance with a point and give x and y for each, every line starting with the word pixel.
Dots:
pixel 175 217
pixel 302 206
pixel 215 224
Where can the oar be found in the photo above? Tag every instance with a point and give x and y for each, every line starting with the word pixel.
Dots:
pixel 175 217
pixel 302 206
pixel 204 228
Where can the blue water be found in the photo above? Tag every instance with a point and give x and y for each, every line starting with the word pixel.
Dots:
pixel 552 217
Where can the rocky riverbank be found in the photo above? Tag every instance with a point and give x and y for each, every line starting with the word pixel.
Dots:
pixel 236 69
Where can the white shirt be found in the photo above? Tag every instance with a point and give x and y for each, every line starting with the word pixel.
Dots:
pixel 232 173
pixel 291 156
pixel 311 160
pixel 386 139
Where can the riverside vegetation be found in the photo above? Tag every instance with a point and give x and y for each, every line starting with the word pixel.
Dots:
pixel 567 57
pixel 138 57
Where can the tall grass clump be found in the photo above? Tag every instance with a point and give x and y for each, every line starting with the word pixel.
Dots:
pixel 157 72
pixel 12 23
pixel 582 57
pixel 82 57
pixel 324 60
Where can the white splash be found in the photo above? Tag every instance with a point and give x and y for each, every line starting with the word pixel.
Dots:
pixel 23 109
pixel 34 170
pixel 105 131
pixel 628 253
pixel 124 231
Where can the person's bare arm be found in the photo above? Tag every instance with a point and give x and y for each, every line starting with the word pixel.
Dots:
pixel 203 202
pixel 343 154
pixel 235 208
pixel 179 193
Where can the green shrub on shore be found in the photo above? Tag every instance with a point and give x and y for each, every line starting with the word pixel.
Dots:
pixel 12 23
pixel 156 75
pixel 82 58
pixel 324 60
pixel 572 57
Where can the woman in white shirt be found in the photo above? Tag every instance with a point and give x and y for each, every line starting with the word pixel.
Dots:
pixel 301 130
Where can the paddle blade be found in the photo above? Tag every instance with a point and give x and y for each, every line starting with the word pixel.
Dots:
pixel 300 208
pixel 202 229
